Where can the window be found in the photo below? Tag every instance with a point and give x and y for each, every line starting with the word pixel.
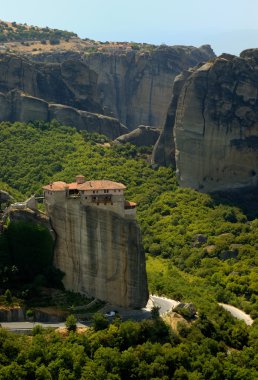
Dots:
pixel 106 191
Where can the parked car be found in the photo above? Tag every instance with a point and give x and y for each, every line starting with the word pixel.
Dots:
pixel 111 313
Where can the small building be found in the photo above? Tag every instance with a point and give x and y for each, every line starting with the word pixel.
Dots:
pixel 104 194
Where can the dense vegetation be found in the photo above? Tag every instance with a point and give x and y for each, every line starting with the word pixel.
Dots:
pixel 20 32
pixel 199 248
pixel 131 350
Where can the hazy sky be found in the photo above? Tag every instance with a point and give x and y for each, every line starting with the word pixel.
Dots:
pixel 227 25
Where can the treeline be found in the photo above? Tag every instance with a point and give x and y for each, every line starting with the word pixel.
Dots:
pixel 146 350
pixel 21 33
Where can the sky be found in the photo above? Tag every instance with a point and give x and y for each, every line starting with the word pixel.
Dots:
pixel 227 25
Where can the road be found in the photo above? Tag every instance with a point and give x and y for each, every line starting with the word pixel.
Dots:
pixel 237 313
pixel 165 304
pixel 24 326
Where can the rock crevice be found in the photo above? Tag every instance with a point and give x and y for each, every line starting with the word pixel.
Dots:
pixel 213 130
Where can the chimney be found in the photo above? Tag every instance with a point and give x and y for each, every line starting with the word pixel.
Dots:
pixel 80 179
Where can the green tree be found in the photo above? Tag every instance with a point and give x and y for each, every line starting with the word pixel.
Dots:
pixel 99 321
pixel 8 297
pixel 42 373
pixel 71 322
pixel 155 312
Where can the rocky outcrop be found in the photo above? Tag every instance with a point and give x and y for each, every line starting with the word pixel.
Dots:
pixel 71 82
pixel 136 87
pixel 216 125
pixel 12 314
pixel 16 213
pixel 100 253
pixel 141 136
pixel 16 106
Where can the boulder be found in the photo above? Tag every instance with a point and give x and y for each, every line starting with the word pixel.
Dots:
pixel 187 310
pixel 141 136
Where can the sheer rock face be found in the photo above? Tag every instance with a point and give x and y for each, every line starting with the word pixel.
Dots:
pixel 70 83
pixel 136 87
pixel 215 126
pixel 100 253
pixel 16 106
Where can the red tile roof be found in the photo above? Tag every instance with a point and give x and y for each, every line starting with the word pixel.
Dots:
pixel 130 204
pixel 101 185
pixel 55 186
pixel 88 185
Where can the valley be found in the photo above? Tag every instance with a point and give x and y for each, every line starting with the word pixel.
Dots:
pixel 66 108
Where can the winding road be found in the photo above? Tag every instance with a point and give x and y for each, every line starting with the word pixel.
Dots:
pixel 237 313
pixel 165 305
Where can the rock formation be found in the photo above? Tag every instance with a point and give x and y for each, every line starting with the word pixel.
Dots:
pixel 141 136
pixel 164 150
pixel 136 87
pixel 214 121
pixel 16 106
pixel 98 242
pixel 71 83
pixel 101 254
pixel 18 214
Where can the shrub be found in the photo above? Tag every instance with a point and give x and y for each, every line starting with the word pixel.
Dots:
pixel 8 297
pixel 100 322
pixel 70 323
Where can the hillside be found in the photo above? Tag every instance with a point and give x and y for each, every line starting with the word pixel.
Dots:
pixel 212 239
pixel 199 249
pixel 56 92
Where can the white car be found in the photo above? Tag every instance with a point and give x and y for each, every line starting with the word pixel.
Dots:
pixel 110 313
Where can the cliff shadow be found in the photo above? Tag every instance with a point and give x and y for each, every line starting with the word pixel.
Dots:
pixel 245 199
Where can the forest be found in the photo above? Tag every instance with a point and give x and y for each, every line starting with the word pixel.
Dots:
pixel 199 248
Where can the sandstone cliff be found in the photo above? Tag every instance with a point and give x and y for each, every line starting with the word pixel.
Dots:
pixel 70 83
pixel 16 106
pixel 164 150
pixel 100 253
pixel 215 125
pixel 136 87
